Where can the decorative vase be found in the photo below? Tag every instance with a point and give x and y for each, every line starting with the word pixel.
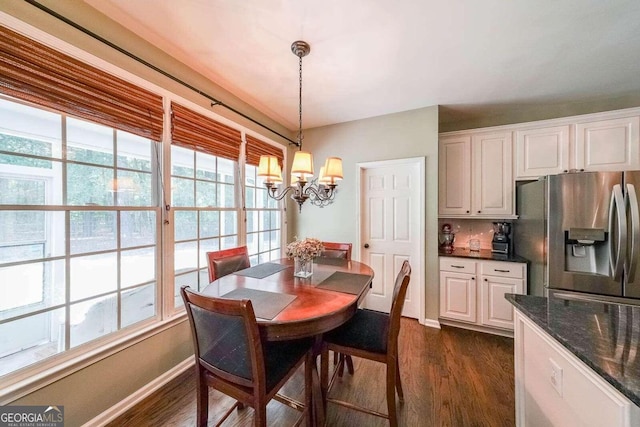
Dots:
pixel 302 267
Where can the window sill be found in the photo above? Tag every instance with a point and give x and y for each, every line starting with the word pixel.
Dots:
pixel 39 375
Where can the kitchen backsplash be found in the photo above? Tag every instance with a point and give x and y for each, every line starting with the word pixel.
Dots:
pixel 466 229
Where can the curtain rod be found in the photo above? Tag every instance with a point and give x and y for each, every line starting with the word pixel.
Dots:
pixel 214 101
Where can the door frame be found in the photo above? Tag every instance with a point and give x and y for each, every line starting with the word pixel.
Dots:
pixel 421 162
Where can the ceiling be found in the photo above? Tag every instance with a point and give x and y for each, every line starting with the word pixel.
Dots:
pixel 375 57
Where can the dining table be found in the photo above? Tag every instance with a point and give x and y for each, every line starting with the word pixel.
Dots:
pixel 289 307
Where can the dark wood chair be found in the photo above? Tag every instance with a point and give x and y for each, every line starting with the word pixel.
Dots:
pixel 336 250
pixel 371 335
pixel 232 357
pixel 339 251
pixel 227 261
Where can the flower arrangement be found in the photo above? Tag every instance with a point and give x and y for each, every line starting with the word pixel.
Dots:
pixel 305 250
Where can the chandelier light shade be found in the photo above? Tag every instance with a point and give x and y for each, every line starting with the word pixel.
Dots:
pixel 303 186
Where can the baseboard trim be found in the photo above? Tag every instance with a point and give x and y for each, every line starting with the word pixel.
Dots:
pixel 478 328
pixel 431 323
pixel 142 393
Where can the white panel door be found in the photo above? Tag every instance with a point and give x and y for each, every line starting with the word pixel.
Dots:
pixel 492 174
pixel 458 296
pixel 391 194
pixel 454 175
pixel 496 310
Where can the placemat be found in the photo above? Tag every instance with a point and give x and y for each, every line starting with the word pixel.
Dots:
pixel 330 261
pixel 261 271
pixel 266 305
pixel 348 283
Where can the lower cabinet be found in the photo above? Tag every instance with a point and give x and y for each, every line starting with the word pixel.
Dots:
pixel 473 291
pixel 555 388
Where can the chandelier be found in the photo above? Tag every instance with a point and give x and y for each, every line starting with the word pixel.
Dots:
pixel 320 191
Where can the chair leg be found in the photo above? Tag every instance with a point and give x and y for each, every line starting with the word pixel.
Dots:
pixel 324 370
pixel 391 395
pixel 349 360
pixel 341 365
pixel 202 400
pixel 260 414
pixel 308 385
pixel 399 382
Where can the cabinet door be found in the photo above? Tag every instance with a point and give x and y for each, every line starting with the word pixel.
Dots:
pixel 492 176
pixel 495 309
pixel 458 296
pixel 608 145
pixel 454 163
pixel 541 152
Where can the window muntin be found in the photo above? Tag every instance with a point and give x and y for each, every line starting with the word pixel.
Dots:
pixel 79 259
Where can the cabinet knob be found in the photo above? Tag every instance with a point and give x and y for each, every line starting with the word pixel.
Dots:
pixel 473 278
pixel 486 280
pixel 565 171
pixel 479 211
pixel 366 246
pixel 467 211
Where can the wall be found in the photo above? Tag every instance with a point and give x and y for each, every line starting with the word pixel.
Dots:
pixel 92 390
pixel 395 136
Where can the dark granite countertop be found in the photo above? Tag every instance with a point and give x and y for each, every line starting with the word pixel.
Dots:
pixel 484 254
pixel 603 335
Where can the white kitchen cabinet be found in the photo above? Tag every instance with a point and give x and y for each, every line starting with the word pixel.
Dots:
pixel 454 159
pixel 473 291
pixel 542 151
pixel 608 145
pixel 496 280
pixel 555 388
pixel 476 175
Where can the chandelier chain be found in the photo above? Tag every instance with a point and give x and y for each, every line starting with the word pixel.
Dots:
pixel 300 103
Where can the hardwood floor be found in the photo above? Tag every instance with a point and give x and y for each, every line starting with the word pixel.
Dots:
pixel 451 377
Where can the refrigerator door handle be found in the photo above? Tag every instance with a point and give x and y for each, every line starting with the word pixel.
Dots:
pixel 632 259
pixel 617 206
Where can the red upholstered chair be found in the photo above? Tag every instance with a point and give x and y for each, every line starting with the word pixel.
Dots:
pixel 371 335
pixel 232 357
pixel 227 261
pixel 339 251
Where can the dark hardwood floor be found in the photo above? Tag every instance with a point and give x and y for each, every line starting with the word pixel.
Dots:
pixel 451 377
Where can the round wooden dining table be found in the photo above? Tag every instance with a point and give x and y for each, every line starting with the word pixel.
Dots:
pixel 299 307
pixel 313 309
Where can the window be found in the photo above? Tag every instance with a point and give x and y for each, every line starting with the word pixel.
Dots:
pixel 203 189
pixel 264 220
pixel 78 250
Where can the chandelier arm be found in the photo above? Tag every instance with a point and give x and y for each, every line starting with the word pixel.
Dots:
pixel 271 192
pixel 319 194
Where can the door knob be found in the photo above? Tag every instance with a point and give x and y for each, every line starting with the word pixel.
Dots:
pixel 366 246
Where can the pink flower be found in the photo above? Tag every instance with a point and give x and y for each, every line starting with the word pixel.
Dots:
pixel 306 249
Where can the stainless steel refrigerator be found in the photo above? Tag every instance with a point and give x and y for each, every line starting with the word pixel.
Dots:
pixel 581 232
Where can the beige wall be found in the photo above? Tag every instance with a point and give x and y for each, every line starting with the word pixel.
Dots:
pixel 395 136
pixel 90 391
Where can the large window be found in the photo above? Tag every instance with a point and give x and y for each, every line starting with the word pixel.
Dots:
pixel 79 217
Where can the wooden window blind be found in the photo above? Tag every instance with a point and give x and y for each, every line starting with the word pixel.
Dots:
pixel 256 148
pixel 197 132
pixel 37 73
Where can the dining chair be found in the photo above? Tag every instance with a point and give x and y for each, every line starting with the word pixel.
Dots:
pixel 336 250
pixel 339 251
pixel 227 261
pixel 232 357
pixel 371 335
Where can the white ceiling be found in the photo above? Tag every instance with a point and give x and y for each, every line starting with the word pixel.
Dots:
pixel 374 57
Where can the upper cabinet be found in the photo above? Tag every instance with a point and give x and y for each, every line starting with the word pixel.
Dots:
pixel 608 145
pixel 542 151
pixel 595 142
pixel 475 175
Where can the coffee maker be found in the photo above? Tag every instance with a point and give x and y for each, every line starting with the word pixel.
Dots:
pixel 501 242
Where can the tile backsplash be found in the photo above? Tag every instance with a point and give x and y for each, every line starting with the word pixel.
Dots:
pixel 465 229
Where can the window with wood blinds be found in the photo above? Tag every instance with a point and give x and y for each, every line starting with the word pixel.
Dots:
pixel 200 133
pixel 256 148
pixel 37 73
